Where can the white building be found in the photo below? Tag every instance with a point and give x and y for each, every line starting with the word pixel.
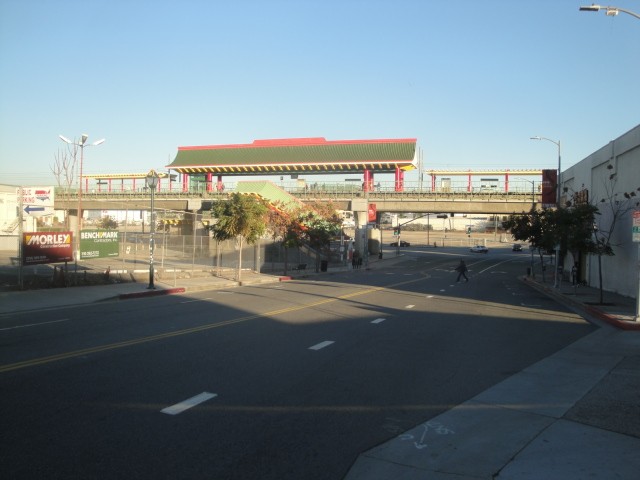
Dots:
pixel 609 173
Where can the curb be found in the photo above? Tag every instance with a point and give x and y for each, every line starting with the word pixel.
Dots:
pixel 151 293
pixel 590 310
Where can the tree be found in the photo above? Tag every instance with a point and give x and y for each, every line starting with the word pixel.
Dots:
pixel 284 226
pixel 321 223
pixel 612 207
pixel 538 228
pixel 63 170
pixel 241 217
pixel 108 223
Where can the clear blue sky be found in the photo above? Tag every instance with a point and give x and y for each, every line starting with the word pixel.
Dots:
pixel 471 80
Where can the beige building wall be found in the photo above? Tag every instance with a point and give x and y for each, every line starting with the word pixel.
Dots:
pixel 610 172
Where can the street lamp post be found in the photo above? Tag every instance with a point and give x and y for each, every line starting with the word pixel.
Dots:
pixel 152 182
pixel 558 188
pixel 609 11
pixel 82 143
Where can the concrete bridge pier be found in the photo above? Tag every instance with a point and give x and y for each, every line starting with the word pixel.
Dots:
pixel 360 210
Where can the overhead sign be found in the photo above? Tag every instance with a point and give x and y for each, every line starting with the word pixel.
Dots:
pixel 635 228
pixel 46 247
pixel 37 201
pixel 99 244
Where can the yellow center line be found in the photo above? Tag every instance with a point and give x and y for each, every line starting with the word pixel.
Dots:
pixel 153 338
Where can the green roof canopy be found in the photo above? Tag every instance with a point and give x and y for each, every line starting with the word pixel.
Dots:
pixel 298 155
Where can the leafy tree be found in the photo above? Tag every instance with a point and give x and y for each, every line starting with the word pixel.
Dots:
pixel 537 228
pixel 321 223
pixel 285 227
pixel 242 217
pixel 108 223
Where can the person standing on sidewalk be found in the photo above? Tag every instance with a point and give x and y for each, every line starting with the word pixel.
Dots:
pixel 462 271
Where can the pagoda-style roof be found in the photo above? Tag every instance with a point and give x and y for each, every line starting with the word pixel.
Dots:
pixel 298 155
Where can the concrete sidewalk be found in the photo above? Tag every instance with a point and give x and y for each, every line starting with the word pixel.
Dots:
pixel 571 416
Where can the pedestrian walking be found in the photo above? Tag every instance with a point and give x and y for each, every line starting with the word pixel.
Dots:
pixel 462 271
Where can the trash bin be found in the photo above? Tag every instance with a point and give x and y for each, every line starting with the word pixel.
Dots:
pixel 323 265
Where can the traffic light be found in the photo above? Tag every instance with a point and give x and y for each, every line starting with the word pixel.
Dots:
pixel 396 231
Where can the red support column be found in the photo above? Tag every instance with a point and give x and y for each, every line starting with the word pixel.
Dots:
pixel 399 185
pixel 367 185
pixel 109 185
pixel 469 182
pixel 209 182
pixel 159 185
pixel 219 184
pixel 433 182
pixel 134 184
pixel 506 182
pixel 185 182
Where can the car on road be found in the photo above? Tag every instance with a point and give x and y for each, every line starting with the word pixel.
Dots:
pixel 479 249
pixel 516 247
pixel 402 244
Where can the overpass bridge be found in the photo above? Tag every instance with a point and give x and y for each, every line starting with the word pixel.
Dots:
pixel 413 199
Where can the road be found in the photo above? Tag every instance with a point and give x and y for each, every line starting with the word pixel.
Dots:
pixel 282 381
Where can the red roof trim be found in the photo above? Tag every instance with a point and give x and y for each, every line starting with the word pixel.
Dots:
pixel 297 142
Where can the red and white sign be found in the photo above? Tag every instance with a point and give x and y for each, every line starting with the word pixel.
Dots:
pixel 36 201
pixel 46 247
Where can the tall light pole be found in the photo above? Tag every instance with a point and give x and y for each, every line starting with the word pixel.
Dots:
pixel 82 143
pixel 609 11
pixel 558 188
pixel 152 182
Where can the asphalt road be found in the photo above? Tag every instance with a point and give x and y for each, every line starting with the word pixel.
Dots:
pixel 282 381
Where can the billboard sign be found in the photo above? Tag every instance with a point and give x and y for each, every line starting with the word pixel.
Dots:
pixel 549 187
pixel 37 201
pixel 46 247
pixel 99 244
pixel 372 212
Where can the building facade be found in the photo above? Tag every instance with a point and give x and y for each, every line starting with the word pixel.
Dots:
pixel 610 179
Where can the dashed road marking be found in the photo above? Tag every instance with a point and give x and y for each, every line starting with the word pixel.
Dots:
pixel 378 320
pixel 188 403
pixel 320 345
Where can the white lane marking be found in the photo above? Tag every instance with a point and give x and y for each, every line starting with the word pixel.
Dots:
pixel 429 296
pixel 34 324
pixel 188 403
pixel 378 320
pixel 443 290
pixel 320 345
pixel 409 306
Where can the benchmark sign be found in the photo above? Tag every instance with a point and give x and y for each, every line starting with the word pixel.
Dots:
pixel 99 244
pixel 635 229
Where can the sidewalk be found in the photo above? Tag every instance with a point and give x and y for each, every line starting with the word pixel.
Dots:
pixel 571 416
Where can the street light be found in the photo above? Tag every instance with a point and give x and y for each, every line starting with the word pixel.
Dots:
pixel 82 143
pixel 609 11
pixel 558 187
pixel 152 182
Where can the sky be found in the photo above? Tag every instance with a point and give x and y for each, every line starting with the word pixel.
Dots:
pixel 472 81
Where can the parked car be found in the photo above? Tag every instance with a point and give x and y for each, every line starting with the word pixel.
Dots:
pixel 479 249
pixel 402 244
pixel 516 247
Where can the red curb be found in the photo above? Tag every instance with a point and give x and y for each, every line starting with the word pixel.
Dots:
pixel 596 312
pixel 284 279
pixel 151 293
